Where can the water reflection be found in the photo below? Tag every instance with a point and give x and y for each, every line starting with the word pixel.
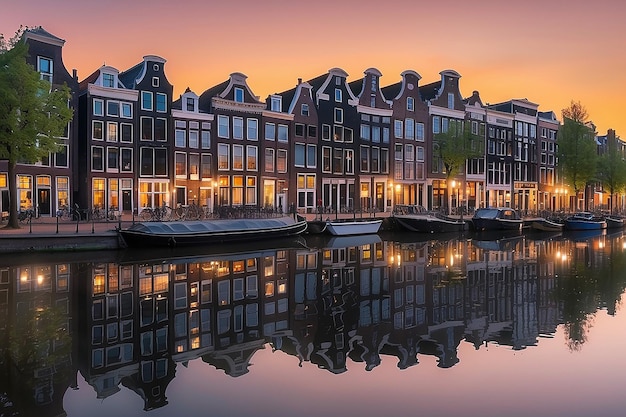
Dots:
pixel 130 319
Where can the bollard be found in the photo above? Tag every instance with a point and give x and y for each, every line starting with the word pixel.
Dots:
pixel 57 224
pixel 30 223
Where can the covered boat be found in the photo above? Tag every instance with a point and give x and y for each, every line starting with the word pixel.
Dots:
pixel 613 222
pixel 353 227
pixel 210 231
pixel 585 221
pixel 417 219
pixel 497 218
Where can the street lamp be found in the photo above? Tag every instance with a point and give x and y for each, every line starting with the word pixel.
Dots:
pixel 215 197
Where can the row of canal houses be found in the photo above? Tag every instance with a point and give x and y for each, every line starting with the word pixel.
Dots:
pixel 330 142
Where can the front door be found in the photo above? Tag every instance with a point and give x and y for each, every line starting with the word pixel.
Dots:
pixel 43 202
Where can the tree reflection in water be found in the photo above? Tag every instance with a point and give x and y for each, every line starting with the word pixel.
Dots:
pixel 130 319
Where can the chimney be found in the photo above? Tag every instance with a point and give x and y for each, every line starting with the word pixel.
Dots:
pixel 75 74
pixel 299 80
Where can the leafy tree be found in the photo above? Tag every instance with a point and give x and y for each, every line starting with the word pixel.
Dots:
pixel 32 113
pixel 577 148
pixel 612 168
pixel 456 145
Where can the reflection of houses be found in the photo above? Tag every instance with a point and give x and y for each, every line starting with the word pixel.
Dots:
pixel 36 338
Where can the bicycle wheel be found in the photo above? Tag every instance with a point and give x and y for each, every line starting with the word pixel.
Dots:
pixel 146 214
pixel 178 213
pixel 193 213
pixel 165 214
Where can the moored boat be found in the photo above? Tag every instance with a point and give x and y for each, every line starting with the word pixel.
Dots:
pixel 585 221
pixel 353 226
pixel 417 219
pixel 546 225
pixel 496 218
pixel 210 231
pixel 613 222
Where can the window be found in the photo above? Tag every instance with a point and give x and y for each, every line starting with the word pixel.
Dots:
pixel 276 103
pixel 127 110
pixel 270 131
pixel 60 157
pixel 398 129
pixel 311 131
pixel 193 139
pixel 126 158
pixel 299 159
pixel 304 110
pixel 111 132
pixel 410 103
pixel 253 129
pixel 376 134
pixel 283 133
pixel 250 193
pixel 113 158
pixel 97 130
pixel 338 95
pixel 365 158
pixel 299 130
pixel 311 156
pixel 146 128
pixel 326 163
pixel 409 129
pixel 252 158
pixel 97 158
pixel 338 115
pixel 419 154
pixel 180 138
pixel 223 156
pixel 365 132
pixel 436 124
pixel 206 165
pixel 155 82
pixel 325 132
pixel 161 102
pixel 160 130
pixel 223 129
pixel 237 128
pixel 269 160
pixel 281 161
pixel 190 104
pixel 113 108
pixel 146 100
pixel 44 66
pixel 419 131
pixel 375 159
pixel 238 95
pixel 450 100
pixel 153 162
pixel 205 139
pixel 238 157
pixel 98 107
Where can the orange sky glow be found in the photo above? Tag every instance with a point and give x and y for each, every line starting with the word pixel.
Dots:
pixel 550 52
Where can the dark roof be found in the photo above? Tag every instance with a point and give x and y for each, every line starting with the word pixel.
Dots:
pixel 177 104
pixel 204 101
pixel 356 86
pixel 42 32
pixel 391 91
pixel 317 82
pixel 129 76
pixel 429 91
pixel 474 98
pixel 89 80
pixel 287 98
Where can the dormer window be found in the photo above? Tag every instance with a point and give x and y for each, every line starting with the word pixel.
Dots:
pixel 374 83
pixel 338 95
pixel 450 100
pixel 44 66
pixel 276 103
pixel 108 80
pixel 238 95
pixel 410 103
pixel 190 104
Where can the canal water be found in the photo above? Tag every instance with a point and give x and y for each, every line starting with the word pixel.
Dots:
pixel 479 325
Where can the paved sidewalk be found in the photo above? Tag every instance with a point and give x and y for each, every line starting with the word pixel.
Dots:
pixel 54 226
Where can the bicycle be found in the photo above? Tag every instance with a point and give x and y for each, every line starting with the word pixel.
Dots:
pixel 96 213
pixel 25 216
pixel 159 214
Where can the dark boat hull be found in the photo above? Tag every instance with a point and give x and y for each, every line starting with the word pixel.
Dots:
pixel 174 234
pixel 429 224
pixel 496 224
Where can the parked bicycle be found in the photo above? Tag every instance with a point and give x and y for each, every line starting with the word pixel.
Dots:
pixel 67 213
pixel 190 212
pixel 25 216
pixel 159 214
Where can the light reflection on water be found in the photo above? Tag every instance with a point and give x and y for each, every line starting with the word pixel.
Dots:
pixel 367 326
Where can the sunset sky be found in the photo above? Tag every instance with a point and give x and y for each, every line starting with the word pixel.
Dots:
pixel 550 52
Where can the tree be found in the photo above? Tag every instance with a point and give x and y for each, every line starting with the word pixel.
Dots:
pixel 612 168
pixel 455 146
pixel 577 148
pixel 32 113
